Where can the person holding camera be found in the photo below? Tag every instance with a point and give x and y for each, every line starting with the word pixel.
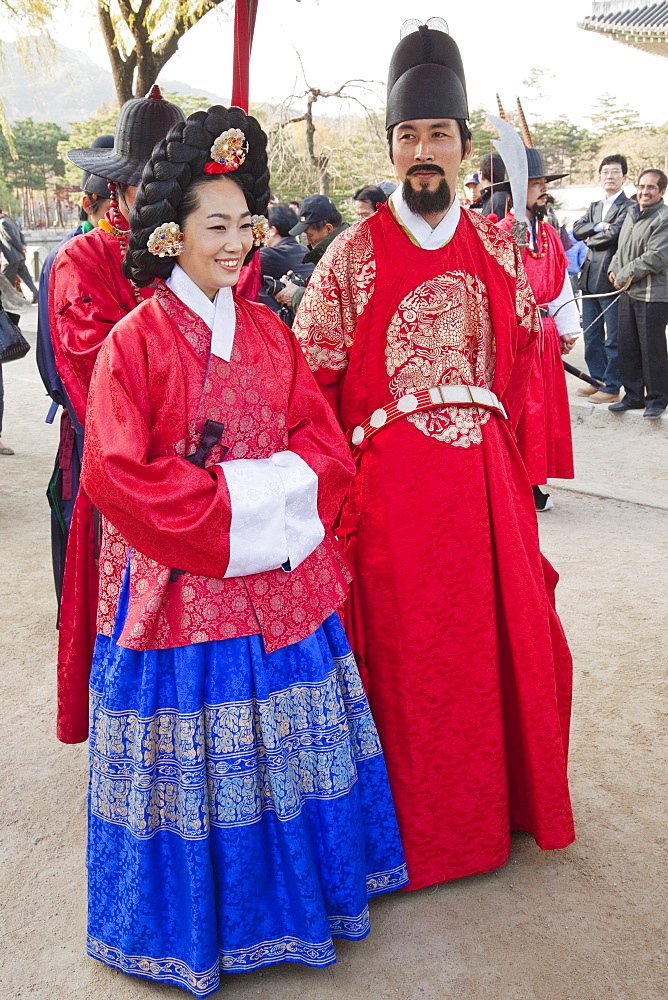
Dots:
pixel 321 220
pixel 282 254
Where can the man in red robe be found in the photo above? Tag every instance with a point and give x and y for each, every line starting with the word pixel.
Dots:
pixel 421 329
pixel 88 295
pixel 544 429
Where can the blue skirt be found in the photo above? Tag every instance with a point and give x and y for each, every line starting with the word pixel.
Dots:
pixel 239 808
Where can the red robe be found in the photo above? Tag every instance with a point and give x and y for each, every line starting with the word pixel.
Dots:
pixel 155 385
pixel 544 429
pixel 87 296
pixel 467 667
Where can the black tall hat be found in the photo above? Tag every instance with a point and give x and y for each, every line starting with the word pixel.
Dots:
pixel 142 123
pixel 92 184
pixel 537 168
pixel 426 77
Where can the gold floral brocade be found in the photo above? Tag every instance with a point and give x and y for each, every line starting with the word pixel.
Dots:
pixel 441 334
pixel 228 764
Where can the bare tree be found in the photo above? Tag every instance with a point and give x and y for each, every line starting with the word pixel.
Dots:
pixel 320 159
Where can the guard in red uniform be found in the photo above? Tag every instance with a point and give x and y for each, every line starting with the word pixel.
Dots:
pixel 421 329
pixel 88 295
pixel 544 429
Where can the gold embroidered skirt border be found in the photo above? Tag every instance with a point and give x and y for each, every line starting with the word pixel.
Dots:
pixel 230 763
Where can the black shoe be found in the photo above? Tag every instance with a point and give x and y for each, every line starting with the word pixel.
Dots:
pixel 625 404
pixel 542 500
pixel 653 410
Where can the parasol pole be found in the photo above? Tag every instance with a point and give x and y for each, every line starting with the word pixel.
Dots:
pixel 245 12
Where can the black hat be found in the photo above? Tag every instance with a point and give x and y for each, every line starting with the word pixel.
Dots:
pixel 426 76
pixel 91 184
pixel 316 208
pixel 142 123
pixel 536 168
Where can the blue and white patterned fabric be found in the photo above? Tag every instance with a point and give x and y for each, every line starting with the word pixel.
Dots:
pixel 239 809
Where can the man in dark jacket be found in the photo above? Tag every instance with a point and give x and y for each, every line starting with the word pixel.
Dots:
pixel 64 484
pixel 640 267
pixel 599 228
pixel 320 219
pixel 281 254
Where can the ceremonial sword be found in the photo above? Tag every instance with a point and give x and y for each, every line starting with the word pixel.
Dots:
pixel 513 153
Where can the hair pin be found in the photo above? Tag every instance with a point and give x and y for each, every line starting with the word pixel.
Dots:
pixel 228 152
pixel 166 240
pixel 260 224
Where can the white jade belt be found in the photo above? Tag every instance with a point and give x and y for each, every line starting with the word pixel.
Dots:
pixel 425 399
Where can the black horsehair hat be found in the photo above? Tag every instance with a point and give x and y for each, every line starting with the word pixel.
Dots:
pixel 426 75
pixel 91 184
pixel 537 167
pixel 142 123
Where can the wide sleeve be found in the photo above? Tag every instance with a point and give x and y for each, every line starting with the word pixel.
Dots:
pixel 233 519
pixel 83 308
pixel 315 435
pixel 528 327
pixel 339 290
pixel 281 505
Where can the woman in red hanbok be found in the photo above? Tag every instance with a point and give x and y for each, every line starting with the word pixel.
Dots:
pixel 87 295
pixel 239 809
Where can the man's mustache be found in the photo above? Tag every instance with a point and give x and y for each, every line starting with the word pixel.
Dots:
pixel 421 168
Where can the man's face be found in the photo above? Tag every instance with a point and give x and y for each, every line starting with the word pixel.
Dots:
pixel 649 191
pixel 273 237
pixel 363 209
pixel 537 193
pixel 317 231
pixel 426 151
pixel 472 192
pixel 612 178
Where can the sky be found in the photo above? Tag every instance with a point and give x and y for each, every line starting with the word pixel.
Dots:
pixel 346 39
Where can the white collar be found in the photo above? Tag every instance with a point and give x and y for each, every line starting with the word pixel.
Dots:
pixel 613 197
pixel 418 229
pixel 218 315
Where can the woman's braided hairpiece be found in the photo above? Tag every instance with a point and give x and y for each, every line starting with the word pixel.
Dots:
pixel 171 178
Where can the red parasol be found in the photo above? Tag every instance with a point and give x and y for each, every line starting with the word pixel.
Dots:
pixel 244 28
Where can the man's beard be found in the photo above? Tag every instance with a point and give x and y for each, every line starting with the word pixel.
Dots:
pixel 539 211
pixel 426 202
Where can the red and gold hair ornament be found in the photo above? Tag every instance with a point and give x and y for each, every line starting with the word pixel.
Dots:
pixel 228 152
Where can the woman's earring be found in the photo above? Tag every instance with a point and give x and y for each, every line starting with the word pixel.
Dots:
pixel 166 240
pixel 260 224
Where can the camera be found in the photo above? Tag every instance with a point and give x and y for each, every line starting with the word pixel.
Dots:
pixel 272 286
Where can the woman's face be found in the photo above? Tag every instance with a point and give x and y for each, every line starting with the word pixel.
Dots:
pixel 217 236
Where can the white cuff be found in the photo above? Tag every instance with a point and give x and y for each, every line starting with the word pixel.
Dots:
pixel 274 513
pixel 303 528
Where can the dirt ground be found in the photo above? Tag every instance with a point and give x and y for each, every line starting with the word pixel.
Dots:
pixel 586 923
